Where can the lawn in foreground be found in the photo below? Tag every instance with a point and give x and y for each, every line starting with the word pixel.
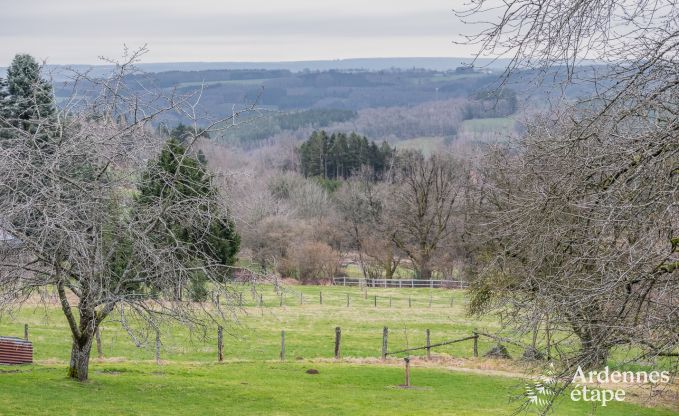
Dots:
pixel 267 388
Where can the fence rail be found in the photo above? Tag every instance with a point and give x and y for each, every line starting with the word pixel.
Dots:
pixel 401 283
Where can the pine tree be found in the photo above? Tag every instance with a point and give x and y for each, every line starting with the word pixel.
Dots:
pixel 30 96
pixel 180 178
pixel 339 156
pixel 4 110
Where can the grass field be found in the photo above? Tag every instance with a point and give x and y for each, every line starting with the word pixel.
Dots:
pixel 260 388
pixel 499 125
pixel 427 145
pixel 253 381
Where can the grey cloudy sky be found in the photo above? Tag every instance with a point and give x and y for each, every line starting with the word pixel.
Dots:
pixel 78 31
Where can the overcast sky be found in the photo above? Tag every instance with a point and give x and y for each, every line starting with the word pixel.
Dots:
pixel 78 31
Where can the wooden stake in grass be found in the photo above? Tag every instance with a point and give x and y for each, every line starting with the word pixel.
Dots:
pixel 410 302
pixel 451 301
pixel 428 344
pixel 320 297
pixel 282 345
pixel 220 344
pixel 97 337
pixel 338 339
pixel 385 335
pixel 157 346
pixel 375 300
pixel 407 361
pixel 26 332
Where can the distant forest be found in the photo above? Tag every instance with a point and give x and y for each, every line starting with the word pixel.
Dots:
pixel 338 155
pixel 390 105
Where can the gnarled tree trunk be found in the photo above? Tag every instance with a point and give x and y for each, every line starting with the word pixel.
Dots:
pixel 80 358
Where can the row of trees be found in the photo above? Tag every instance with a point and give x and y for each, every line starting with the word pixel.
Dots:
pixel 109 231
pixel 339 156
pixel 410 218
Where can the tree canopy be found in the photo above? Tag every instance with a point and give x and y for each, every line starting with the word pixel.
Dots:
pixel 338 155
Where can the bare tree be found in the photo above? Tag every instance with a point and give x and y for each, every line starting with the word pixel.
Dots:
pixel 578 220
pixel 68 194
pixel 424 205
pixel 362 203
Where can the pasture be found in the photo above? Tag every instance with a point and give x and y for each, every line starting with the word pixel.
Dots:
pixel 253 380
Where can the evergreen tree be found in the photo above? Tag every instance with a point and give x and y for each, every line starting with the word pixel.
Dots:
pixel 185 133
pixel 339 156
pixel 4 109
pixel 29 97
pixel 176 176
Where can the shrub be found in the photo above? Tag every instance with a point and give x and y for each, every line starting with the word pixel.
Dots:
pixel 312 262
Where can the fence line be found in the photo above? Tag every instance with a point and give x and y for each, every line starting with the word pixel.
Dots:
pixel 429 347
pixel 400 283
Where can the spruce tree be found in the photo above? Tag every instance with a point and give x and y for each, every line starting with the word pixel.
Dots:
pixel 30 96
pixel 179 177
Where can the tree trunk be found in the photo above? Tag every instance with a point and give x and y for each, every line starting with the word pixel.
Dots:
pixel 80 358
pixel 423 267
pixel 593 354
pixel 388 272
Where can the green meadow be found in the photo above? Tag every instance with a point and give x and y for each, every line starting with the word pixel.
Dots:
pixel 253 380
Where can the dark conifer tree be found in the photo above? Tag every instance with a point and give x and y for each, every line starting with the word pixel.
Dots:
pixel 177 176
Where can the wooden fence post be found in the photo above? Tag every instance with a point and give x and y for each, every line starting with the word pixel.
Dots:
pixel 428 344
pixel 549 340
pixel 476 344
pixel 407 382
pixel 385 335
pixel 338 339
pixel 97 337
pixel 220 344
pixel 158 346
pixel 320 297
pixel 282 345
pixel 375 300
pixel 26 332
